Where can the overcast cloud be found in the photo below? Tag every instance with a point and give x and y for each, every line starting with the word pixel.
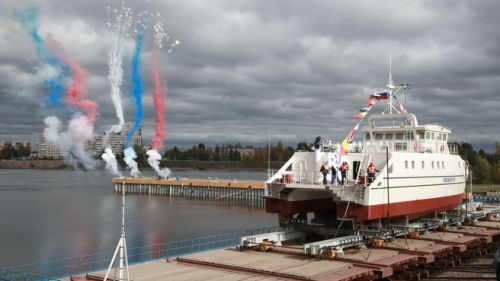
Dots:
pixel 297 68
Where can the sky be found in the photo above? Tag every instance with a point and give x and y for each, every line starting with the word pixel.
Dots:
pixel 292 69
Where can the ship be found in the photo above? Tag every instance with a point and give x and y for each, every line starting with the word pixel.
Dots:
pixel 418 173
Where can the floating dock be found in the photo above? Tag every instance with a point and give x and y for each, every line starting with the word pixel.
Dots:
pixel 241 192
pixel 452 251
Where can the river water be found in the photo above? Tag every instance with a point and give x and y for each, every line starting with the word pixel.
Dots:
pixel 52 214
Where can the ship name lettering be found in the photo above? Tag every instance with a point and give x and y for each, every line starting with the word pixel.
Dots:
pixel 449 179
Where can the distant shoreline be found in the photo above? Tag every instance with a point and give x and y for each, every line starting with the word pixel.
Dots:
pixel 32 164
pixel 186 164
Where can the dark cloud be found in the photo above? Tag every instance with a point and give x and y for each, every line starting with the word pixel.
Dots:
pixel 298 69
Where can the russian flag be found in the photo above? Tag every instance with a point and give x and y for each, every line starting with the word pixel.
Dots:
pixel 380 96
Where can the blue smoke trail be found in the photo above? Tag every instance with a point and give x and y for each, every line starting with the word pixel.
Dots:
pixel 137 87
pixel 28 19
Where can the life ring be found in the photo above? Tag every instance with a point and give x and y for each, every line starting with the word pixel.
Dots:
pixel 415 147
pixel 442 148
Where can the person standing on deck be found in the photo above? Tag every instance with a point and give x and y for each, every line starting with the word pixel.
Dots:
pixel 371 172
pixel 324 171
pixel 343 171
pixel 334 175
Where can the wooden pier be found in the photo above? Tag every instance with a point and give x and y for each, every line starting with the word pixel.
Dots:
pixel 240 192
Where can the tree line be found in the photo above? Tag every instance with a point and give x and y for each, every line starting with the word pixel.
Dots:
pixel 10 152
pixel 485 166
pixel 231 152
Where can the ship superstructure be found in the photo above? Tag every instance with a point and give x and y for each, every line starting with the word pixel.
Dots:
pixel 418 173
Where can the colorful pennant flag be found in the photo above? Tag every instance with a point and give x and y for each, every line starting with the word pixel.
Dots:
pixel 352 133
pixel 371 102
pixel 360 116
pixel 401 107
pixel 343 147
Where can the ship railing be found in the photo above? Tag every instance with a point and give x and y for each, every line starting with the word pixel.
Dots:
pixel 74 266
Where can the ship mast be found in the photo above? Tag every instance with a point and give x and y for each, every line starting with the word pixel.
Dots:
pixel 390 83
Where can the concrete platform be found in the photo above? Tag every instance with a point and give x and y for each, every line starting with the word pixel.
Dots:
pixel 494 224
pixel 174 271
pixel 458 241
pixel 279 265
pixel 384 259
pixel 486 235
pixel 427 251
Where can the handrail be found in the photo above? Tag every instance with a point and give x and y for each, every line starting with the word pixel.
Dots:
pixel 55 269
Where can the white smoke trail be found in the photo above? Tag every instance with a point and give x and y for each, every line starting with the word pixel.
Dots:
pixel 73 142
pixel 111 163
pixel 154 159
pixel 129 158
pixel 121 25
pixel 160 35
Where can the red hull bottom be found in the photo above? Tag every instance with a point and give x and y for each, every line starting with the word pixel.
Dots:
pixel 412 209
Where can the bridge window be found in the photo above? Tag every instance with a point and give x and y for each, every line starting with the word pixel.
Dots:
pixel 421 135
pixel 401 146
pixel 400 136
pixel 445 137
pixel 367 136
pixel 389 136
pixel 432 136
pixel 427 135
pixel 438 136
pixel 379 136
pixel 409 135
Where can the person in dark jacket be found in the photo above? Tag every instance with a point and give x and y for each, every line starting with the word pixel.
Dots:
pixel 324 171
pixel 371 172
pixel 334 175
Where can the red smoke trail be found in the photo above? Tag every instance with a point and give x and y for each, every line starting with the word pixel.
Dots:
pixel 159 97
pixel 78 90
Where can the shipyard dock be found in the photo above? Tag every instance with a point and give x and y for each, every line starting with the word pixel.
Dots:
pixel 460 252
pixel 240 192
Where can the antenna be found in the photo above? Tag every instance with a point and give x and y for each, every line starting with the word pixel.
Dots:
pixel 269 154
pixel 390 86
pixel 390 82
pixel 121 247
pixel 406 87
